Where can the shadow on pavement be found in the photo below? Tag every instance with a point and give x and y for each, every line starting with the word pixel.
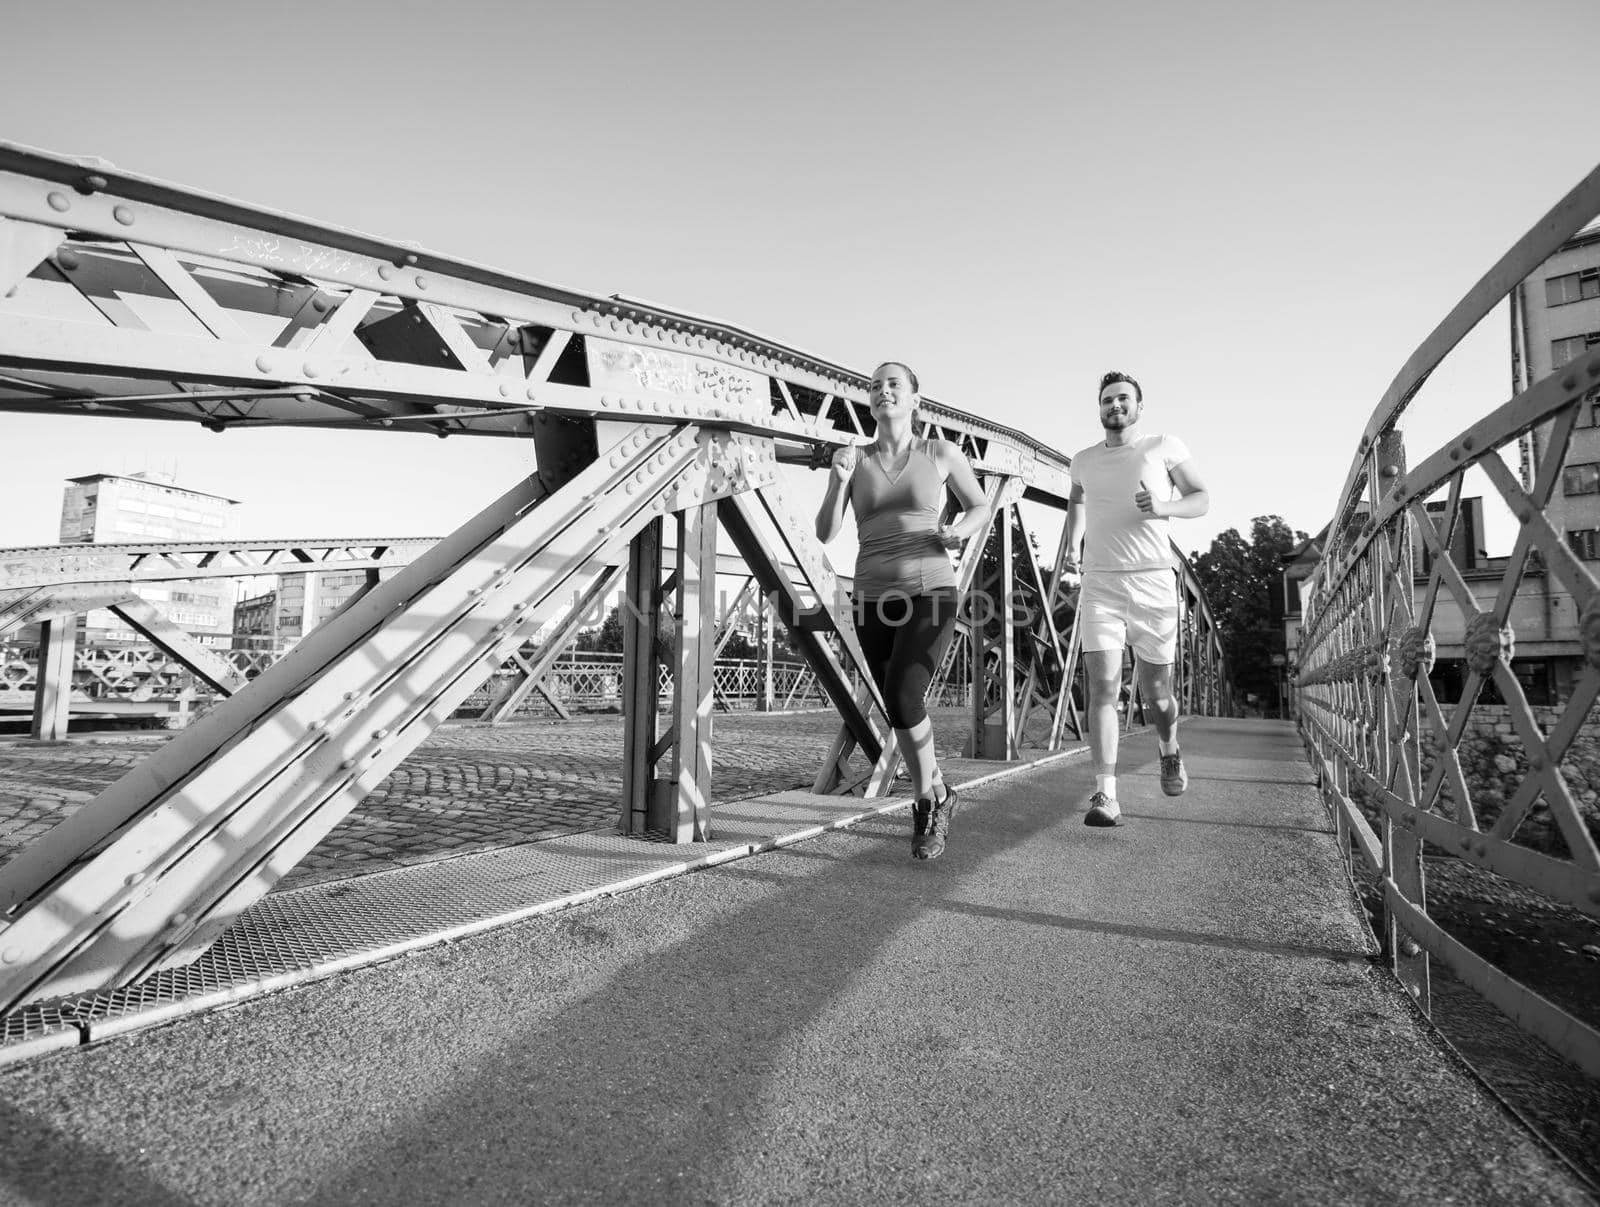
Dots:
pixel 48 1166
pixel 641 1089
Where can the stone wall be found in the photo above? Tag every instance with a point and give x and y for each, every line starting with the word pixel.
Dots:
pixel 1495 763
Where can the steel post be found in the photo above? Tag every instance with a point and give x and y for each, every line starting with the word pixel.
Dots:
pixel 52 690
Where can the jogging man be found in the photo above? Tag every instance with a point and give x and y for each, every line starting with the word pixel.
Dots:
pixel 1124 490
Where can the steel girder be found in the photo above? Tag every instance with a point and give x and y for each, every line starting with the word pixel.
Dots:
pixel 125 295
pixel 149 873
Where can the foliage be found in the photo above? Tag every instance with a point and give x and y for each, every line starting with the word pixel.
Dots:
pixel 1239 578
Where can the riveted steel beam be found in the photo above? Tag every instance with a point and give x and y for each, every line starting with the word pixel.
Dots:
pixel 152 870
pixel 215 294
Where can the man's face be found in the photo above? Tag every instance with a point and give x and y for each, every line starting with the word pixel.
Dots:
pixel 1119 406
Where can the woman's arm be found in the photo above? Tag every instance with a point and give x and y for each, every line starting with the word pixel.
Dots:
pixel 830 516
pixel 963 484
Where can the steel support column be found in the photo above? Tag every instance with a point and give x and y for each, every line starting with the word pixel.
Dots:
pixel 641 632
pixel 52 685
pixel 994 695
pixel 693 701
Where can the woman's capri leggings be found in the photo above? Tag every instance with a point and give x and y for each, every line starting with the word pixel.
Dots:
pixel 904 638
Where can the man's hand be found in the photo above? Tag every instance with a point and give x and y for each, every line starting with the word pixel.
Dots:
pixel 1071 576
pixel 844 463
pixel 1148 503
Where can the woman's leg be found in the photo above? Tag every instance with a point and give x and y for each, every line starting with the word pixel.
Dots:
pixel 920 643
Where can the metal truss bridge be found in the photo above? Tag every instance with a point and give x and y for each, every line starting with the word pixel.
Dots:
pixel 667 449
pixel 658 436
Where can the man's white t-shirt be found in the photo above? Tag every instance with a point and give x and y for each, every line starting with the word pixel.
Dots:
pixel 1119 536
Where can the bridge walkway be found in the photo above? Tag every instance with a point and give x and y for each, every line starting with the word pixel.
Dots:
pixel 1181 1009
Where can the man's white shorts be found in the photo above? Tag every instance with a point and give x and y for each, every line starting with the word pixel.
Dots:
pixel 1139 607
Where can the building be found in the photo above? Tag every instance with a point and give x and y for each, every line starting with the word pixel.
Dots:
pixel 1555 317
pixel 140 508
pixel 278 618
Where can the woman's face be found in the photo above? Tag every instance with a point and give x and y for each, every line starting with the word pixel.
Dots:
pixel 890 393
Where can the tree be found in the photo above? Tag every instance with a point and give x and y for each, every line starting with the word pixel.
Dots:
pixel 1239 577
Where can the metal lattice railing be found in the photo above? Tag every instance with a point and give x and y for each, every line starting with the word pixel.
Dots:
pixel 1394 585
pixel 139 674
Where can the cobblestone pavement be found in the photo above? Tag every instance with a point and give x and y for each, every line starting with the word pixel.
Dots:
pixel 470 787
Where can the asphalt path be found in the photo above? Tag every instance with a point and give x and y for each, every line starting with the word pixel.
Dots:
pixel 1183 1009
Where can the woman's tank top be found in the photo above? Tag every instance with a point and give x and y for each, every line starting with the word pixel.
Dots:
pixel 897 519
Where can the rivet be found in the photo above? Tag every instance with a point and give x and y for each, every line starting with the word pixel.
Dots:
pixel 1466 844
pixel 1455 454
pixel 379 734
pixel 386 271
pixel 1390 471
pixel 577 316
pixel 1536 763
pixel 347 764
pixel 320 304
pixel 264 364
pixel 59 201
pixel 505 390
pixel 312 369
pixel 123 215
pixel 68 260
pixel 132 878
pixel 530 393
pixel 407 259
pixel 350 695
pixel 317 724
pixel 422 282
pixel 11 955
pixel 93 184
pixel 179 919
pixel 1467 442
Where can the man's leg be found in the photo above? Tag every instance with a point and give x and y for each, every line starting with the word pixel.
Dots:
pixel 1154 626
pixel 1155 681
pixel 1103 670
pixel 1155 686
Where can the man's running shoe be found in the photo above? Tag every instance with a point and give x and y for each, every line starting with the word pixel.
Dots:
pixel 1174 779
pixel 1103 811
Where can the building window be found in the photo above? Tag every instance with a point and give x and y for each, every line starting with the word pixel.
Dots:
pixel 1585 543
pixel 1564 351
pixel 1580 479
pixel 1572 287
pixel 1589 409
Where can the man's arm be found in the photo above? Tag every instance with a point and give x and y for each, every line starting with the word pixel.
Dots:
pixel 1193 500
pixel 1077 524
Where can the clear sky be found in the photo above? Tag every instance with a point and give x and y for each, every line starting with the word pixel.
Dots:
pixel 1257 207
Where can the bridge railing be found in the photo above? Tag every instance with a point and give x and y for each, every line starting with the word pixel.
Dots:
pixel 1385 738
pixel 133 674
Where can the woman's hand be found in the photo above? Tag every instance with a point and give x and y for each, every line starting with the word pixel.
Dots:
pixel 948 536
pixel 844 464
